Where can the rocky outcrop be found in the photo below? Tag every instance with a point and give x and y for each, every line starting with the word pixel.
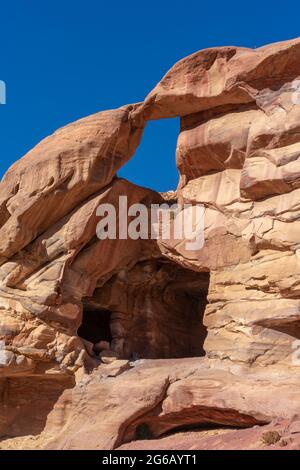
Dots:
pixel 165 396
pixel 280 435
pixel 102 321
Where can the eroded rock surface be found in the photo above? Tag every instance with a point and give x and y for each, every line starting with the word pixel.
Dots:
pixel 235 301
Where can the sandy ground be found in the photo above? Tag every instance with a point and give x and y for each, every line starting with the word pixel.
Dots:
pixel 21 443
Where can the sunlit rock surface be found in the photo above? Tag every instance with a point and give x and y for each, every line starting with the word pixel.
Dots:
pixel 107 342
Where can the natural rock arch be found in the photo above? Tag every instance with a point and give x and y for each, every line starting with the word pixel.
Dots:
pixel 238 155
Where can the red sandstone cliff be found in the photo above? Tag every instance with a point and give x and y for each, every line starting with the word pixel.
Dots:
pixel 204 338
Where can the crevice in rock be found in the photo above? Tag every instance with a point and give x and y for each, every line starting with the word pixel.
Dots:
pixel 156 425
pixel 191 121
pixel 200 427
pixel 95 328
pixel 289 327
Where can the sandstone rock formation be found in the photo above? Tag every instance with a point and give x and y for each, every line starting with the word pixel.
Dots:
pixel 101 339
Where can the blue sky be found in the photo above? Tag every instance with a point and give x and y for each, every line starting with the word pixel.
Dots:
pixel 62 60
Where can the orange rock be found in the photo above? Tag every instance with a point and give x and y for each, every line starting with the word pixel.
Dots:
pixel 154 303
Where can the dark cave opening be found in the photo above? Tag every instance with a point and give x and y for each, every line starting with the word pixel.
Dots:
pixel 143 430
pixel 154 310
pixel 95 328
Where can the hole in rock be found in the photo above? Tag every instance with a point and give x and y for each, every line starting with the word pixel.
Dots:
pixel 154 310
pixel 95 328
pixel 154 165
pixel 143 431
pixel 195 419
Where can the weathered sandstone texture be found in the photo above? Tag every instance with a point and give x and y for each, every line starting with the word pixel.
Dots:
pixel 101 339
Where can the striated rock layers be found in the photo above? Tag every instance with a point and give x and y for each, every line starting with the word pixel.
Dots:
pixel 104 342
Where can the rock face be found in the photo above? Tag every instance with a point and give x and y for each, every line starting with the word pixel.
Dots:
pixel 76 309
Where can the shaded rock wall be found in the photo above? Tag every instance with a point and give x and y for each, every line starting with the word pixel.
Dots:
pixel 156 309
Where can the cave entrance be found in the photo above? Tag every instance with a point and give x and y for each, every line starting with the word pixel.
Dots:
pixel 95 328
pixel 153 310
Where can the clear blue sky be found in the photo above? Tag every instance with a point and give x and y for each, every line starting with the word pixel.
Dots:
pixel 63 60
